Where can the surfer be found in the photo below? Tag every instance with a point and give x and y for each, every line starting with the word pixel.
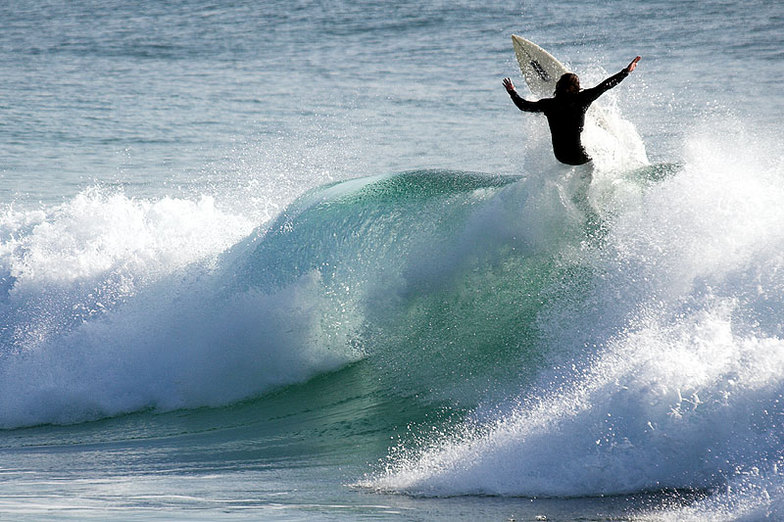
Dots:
pixel 565 111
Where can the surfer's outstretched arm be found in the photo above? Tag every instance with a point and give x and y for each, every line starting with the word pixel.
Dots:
pixel 632 66
pixel 523 105
pixel 594 92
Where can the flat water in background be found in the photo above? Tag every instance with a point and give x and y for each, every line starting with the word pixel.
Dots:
pixel 159 98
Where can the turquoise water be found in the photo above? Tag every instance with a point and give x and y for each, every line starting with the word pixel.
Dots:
pixel 307 261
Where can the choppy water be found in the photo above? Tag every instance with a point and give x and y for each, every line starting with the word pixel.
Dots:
pixel 306 260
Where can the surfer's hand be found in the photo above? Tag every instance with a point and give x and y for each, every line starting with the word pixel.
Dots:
pixel 509 85
pixel 632 65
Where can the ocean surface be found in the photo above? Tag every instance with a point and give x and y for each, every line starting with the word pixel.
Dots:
pixel 305 260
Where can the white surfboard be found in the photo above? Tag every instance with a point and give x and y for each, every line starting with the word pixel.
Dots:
pixel 540 69
pixel 606 138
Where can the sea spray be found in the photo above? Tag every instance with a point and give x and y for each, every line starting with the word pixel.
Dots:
pixel 669 376
pixel 112 305
pixel 75 260
pixel 403 269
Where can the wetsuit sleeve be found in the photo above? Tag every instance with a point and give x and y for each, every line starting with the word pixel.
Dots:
pixel 591 94
pixel 525 105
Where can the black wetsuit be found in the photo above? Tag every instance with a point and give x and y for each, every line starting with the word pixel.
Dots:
pixel 566 116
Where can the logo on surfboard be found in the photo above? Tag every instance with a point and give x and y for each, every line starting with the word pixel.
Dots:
pixel 537 67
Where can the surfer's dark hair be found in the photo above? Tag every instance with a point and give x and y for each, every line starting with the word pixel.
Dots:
pixel 568 83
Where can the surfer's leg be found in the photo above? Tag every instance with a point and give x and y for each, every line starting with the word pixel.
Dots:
pixel 583 177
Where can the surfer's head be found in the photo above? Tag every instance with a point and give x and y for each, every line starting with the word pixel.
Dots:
pixel 569 83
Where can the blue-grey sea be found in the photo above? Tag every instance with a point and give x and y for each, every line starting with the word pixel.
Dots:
pixel 305 260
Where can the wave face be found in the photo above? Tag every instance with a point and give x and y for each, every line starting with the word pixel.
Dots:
pixel 154 312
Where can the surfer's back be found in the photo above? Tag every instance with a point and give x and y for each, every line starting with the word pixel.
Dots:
pixel 566 111
pixel 566 118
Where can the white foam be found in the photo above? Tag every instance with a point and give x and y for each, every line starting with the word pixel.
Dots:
pixel 113 304
pixel 661 409
pixel 97 232
pixel 751 494
pixel 676 355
